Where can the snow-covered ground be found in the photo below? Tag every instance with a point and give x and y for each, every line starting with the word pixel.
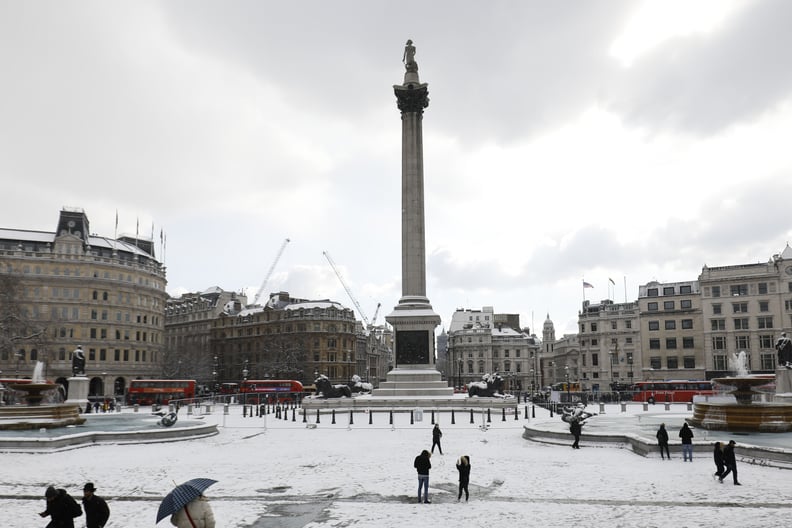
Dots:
pixel 278 473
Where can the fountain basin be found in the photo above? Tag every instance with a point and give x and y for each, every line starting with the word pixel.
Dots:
pixel 737 417
pixel 34 392
pixel 27 417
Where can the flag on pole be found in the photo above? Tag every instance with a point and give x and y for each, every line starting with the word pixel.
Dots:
pixel 587 285
pixel 611 281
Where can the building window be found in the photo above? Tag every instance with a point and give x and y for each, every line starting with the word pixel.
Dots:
pixel 668 290
pixel 654 325
pixel 686 304
pixel 689 362
pixel 687 342
pixel 716 291
pixel 671 343
pixel 687 324
pixel 652 307
pixel 716 309
pixel 766 341
pixel 668 305
pixel 654 362
pixel 741 323
pixel 740 307
pixel 652 292
pixel 670 325
pixel 594 360
pixel 719 362
pixel 594 342
pixel 742 342
pixel 654 344
pixel 738 289
pixel 629 358
pixel 768 361
pixel 613 325
pixel 672 362
pixel 765 322
pixel 686 289
pixel 718 324
pixel 628 324
pixel 764 306
pixel 593 327
pixel 762 288
pixel 719 343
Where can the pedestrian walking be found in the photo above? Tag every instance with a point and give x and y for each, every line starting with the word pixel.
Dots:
pixel 575 428
pixel 662 440
pixel 96 510
pixel 423 465
pixel 730 463
pixel 687 442
pixel 436 434
pixel 61 508
pixel 197 514
pixel 717 456
pixel 463 466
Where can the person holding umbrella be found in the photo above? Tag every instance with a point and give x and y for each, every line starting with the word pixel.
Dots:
pixel 196 514
pixel 187 505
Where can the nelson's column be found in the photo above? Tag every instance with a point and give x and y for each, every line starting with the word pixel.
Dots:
pixel 413 319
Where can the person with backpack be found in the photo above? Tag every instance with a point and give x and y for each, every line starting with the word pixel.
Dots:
pixel 61 508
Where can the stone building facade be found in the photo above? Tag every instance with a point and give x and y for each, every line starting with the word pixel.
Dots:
pixel 287 338
pixel 77 288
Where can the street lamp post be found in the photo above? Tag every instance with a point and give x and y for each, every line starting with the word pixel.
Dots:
pixel 566 377
pixel 533 383
pixel 460 372
pixel 245 373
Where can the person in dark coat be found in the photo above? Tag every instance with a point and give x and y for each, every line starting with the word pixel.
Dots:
pixel 423 465
pixel 662 440
pixel 687 442
pixel 575 428
pixel 717 456
pixel 730 463
pixel 436 434
pixel 61 508
pixel 96 510
pixel 463 466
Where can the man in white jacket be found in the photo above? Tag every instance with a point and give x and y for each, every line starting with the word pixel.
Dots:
pixel 197 514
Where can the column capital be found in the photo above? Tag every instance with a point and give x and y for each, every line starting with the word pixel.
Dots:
pixel 411 97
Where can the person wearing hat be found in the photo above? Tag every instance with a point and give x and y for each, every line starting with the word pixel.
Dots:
pixel 730 463
pixel 96 510
pixel 61 507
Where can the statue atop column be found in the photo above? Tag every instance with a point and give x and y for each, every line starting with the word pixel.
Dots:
pixel 409 57
pixel 78 362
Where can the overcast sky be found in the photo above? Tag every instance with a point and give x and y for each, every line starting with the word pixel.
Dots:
pixel 564 141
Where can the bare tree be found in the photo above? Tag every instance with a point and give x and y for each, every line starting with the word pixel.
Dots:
pixel 16 326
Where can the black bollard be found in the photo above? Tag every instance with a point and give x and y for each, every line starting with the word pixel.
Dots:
pixel 516 413
pixel 452 417
pixel 551 411
pixel 244 411
pixel 432 416
pixel 294 414
pixel 503 414
pixel 391 418
pixel 351 417
pixel 333 420
pixel 317 415
pixel 305 416
pixel 471 416
pixel 371 417
pixel 412 418
pixel 489 416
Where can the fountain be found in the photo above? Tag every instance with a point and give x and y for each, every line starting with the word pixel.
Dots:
pixel 742 413
pixel 35 414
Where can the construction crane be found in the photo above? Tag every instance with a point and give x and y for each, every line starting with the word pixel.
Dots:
pixel 349 292
pixel 376 313
pixel 269 273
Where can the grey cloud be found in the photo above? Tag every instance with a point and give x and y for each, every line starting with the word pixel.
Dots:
pixel 705 83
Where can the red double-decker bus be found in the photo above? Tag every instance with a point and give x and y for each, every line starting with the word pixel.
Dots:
pixel 281 389
pixel 672 391
pixel 151 391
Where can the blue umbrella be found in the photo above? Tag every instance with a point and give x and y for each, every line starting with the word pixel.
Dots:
pixel 182 495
